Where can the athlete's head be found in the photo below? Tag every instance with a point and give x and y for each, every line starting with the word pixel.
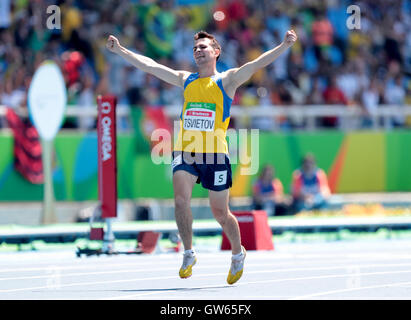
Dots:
pixel 206 48
pixel 267 173
pixel 308 164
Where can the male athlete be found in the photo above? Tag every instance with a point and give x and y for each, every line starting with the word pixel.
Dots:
pixel 201 151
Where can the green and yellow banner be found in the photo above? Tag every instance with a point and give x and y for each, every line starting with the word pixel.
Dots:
pixel 365 161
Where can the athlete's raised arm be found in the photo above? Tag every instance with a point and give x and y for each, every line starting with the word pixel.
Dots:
pixel 237 76
pixel 147 64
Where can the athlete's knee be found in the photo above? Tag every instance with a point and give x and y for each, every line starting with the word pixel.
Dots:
pixel 181 202
pixel 220 214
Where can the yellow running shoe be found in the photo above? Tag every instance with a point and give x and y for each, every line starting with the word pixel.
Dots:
pixel 189 261
pixel 236 269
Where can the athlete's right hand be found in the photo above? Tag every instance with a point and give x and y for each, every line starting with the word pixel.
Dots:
pixel 113 44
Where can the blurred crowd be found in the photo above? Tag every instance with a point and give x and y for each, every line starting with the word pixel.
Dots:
pixel 330 64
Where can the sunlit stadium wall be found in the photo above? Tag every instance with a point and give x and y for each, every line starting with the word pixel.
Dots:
pixel 366 161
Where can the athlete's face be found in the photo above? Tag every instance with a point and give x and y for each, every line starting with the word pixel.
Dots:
pixel 309 167
pixel 204 52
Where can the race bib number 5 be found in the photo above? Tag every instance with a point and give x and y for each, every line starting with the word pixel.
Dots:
pixel 199 116
pixel 220 178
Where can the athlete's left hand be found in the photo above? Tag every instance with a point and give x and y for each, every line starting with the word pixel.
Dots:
pixel 290 38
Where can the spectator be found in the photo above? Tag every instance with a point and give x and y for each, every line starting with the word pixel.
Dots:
pixel 408 102
pixel 337 14
pixel 332 95
pixel 268 193
pixel 5 13
pixel 277 21
pixel 310 190
pixel 370 100
pixel 351 80
pixel 395 95
pixel 280 96
pixel 236 10
pixel 264 123
pixel 13 97
pixel 86 100
pixel 315 97
pixel 322 32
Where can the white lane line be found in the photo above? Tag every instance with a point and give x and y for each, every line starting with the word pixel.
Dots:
pixel 397 284
pixel 93 266
pixel 109 272
pixel 93 262
pixel 267 281
pixel 277 258
pixel 213 266
pixel 39 260
pixel 87 284
pixel 257 255
pixel 53 268
pixel 133 296
pixel 277 270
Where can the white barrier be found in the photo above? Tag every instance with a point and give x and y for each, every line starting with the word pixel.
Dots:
pixel 349 116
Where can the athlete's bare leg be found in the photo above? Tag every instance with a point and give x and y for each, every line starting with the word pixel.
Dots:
pixel 183 183
pixel 223 215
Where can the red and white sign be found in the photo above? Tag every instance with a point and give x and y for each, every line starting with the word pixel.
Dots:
pixel 107 158
pixel 199 113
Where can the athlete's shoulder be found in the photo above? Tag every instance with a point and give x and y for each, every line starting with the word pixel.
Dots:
pixel 190 77
pixel 224 78
pixel 297 173
pixel 277 182
pixel 225 75
pixel 320 173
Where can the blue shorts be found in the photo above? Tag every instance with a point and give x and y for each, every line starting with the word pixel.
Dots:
pixel 213 170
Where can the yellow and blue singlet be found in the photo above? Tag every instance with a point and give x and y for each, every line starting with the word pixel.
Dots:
pixel 205 116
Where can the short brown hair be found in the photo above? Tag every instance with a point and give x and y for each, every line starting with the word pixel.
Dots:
pixel 214 43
